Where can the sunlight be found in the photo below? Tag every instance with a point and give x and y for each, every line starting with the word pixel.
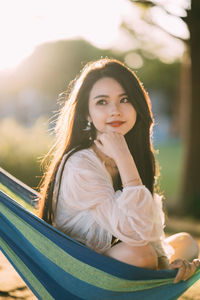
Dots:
pixel 170 23
pixel 26 23
pixel 134 60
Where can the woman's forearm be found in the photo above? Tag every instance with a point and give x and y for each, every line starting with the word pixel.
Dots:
pixel 128 171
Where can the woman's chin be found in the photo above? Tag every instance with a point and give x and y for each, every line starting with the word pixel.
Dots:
pixel 115 129
pixel 112 129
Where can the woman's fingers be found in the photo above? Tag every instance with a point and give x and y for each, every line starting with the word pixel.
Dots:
pixel 112 144
pixel 98 143
pixel 178 264
pixel 186 269
pixel 190 271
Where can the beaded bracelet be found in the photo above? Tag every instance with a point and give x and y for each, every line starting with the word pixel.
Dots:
pixel 131 181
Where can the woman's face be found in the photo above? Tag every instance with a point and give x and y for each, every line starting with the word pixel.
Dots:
pixel 109 107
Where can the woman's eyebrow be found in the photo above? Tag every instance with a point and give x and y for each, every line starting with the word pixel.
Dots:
pixel 101 96
pixel 124 94
pixel 106 96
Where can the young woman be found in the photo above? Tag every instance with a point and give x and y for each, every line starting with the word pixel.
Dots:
pixel 99 187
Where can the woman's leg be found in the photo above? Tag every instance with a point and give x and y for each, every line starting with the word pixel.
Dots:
pixel 184 245
pixel 143 256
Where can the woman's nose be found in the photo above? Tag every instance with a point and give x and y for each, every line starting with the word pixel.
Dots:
pixel 114 110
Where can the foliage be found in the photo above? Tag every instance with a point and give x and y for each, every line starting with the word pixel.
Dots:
pixel 189 13
pixel 160 76
pixel 22 149
pixel 52 66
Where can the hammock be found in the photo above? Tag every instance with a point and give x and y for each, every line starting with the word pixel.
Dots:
pixel 54 266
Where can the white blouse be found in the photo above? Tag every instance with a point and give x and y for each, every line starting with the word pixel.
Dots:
pixel 88 209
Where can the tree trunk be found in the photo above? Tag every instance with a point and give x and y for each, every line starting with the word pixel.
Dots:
pixel 190 194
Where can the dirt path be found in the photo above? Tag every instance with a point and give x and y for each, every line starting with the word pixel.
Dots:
pixel 11 284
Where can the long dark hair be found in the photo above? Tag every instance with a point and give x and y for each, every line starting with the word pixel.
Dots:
pixel 72 121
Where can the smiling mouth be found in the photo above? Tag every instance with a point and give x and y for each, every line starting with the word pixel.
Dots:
pixel 115 123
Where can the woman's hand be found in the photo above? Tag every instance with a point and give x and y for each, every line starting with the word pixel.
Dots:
pixel 112 144
pixel 186 268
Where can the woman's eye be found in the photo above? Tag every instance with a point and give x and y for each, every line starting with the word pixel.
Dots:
pixel 101 102
pixel 124 100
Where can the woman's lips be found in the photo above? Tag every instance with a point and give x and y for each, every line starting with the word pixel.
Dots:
pixel 115 123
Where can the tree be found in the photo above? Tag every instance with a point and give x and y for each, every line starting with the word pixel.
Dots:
pixel 190 192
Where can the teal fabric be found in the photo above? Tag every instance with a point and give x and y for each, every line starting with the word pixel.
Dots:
pixel 55 266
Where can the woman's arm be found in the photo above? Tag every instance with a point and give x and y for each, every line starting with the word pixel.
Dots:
pixel 114 145
pixel 128 171
pixel 132 215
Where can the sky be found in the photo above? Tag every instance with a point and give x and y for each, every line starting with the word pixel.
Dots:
pixel 24 24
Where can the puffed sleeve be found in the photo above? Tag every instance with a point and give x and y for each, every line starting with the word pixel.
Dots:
pixel 132 215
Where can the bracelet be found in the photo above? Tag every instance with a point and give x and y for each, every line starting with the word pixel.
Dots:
pixel 137 180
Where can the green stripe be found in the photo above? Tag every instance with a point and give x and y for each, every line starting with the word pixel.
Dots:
pixel 19 200
pixel 194 278
pixel 25 271
pixel 75 267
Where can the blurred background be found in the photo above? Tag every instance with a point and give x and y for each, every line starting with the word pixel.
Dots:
pixel 45 43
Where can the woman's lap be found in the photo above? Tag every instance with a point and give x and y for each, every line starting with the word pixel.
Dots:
pixel 185 247
pixel 143 256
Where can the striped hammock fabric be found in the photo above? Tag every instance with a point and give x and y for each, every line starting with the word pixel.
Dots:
pixel 54 266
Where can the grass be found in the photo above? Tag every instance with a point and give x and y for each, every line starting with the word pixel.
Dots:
pixel 170 158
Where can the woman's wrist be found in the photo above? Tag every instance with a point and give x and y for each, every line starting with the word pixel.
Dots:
pixel 128 171
pixel 132 182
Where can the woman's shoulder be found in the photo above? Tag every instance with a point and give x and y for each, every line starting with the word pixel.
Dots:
pixel 84 159
pixel 86 163
pixel 78 159
pixel 81 155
